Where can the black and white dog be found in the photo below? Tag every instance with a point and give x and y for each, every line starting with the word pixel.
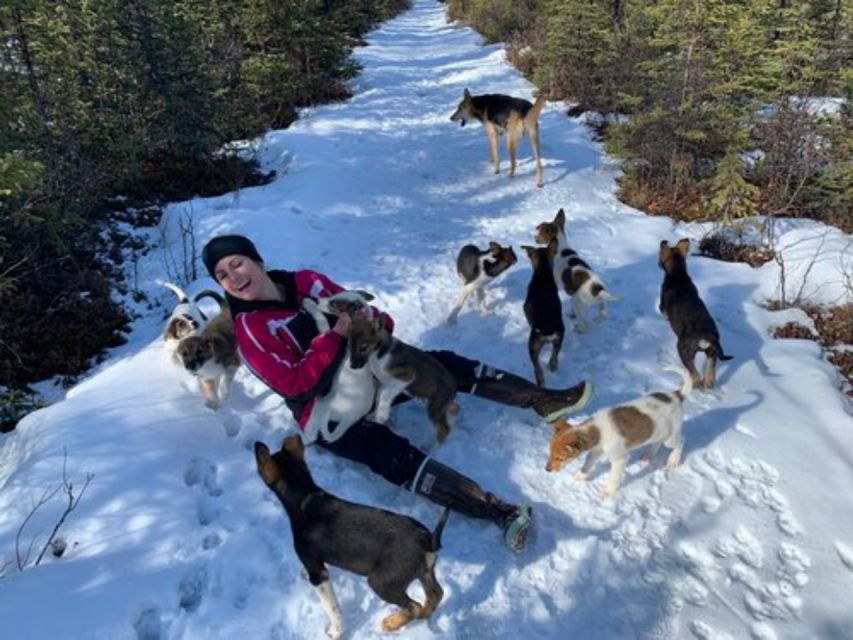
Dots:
pixel 544 312
pixel 477 268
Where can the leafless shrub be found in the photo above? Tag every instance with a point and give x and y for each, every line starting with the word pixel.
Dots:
pixel 23 555
pixel 181 257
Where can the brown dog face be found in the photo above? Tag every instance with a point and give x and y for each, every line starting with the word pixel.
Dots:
pixel 568 443
pixel 547 231
pixel 194 351
pixel 180 327
pixel 365 337
pixel 504 255
pixel 538 255
pixel 464 110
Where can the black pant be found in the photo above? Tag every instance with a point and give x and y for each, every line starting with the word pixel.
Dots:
pixel 383 451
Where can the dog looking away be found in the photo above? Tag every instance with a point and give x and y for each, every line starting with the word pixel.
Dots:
pixel 543 312
pixel 401 367
pixel 211 356
pixel 504 114
pixel 616 431
pixel 688 316
pixel 576 276
pixel 390 549
pixel 478 268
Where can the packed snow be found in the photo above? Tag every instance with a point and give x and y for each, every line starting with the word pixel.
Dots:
pixel 177 537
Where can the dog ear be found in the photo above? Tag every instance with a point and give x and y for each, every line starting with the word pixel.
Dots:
pixel 561 424
pixel 531 251
pixel 467 94
pixel 495 248
pixel 364 294
pixel 293 446
pixel 560 218
pixel 267 468
pixel 683 247
pixel 665 250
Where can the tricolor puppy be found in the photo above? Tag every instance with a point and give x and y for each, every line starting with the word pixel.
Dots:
pixel 211 356
pixel 504 114
pixel 543 312
pixel 353 391
pixel 654 419
pixel 186 318
pixel 575 275
pixel 478 268
pixel 392 550
pixel 688 316
pixel 402 368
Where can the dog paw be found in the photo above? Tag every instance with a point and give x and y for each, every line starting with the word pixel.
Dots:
pixel 334 631
pixel 580 476
pixel 553 366
pixel 395 621
pixel 607 493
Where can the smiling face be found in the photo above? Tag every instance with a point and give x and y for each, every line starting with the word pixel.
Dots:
pixel 244 278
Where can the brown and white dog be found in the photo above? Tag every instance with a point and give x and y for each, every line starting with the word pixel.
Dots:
pixel 186 319
pixel 576 276
pixel 402 368
pixel 499 113
pixel 211 356
pixel 616 431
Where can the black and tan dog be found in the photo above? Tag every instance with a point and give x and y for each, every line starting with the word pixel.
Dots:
pixel 687 314
pixel 504 114
pixel 390 549
pixel 543 312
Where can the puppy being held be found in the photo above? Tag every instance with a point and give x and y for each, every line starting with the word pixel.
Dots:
pixel 576 276
pixel 353 391
pixel 543 312
pixel 392 550
pixel 478 268
pixel 688 316
pixel 211 356
pixel 654 419
pixel 504 114
pixel 402 368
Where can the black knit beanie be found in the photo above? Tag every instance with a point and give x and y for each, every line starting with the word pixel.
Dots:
pixel 222 246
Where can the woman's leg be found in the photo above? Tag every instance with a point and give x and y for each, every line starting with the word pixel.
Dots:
pixel 480 379
pixel 394 458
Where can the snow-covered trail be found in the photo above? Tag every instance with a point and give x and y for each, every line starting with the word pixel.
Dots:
pixel 178 538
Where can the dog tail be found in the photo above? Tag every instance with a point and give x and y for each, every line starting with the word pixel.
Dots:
pixel 686 381
pixel 436 535
pixel 183 298
pixel 536 109
pixel 718 351
pixel 207 293
pixel 603 294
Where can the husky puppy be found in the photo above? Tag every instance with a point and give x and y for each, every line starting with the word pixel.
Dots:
pixel 543 312
pixel 186 318
pixel 211 356
pixel 400 368
pixel 576 276
pixel 653 419
pixel 353 391
pixel 477 269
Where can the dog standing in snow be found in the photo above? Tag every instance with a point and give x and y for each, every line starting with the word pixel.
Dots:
pixel 654 419
pixel 478 268
pixel 576 276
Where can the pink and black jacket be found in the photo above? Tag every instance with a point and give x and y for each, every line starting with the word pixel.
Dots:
pixel 281 345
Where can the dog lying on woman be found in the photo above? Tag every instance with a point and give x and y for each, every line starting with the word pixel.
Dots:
pixel 402 368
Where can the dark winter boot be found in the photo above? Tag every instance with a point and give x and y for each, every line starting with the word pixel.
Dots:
pixel 449 488
pixel 549 404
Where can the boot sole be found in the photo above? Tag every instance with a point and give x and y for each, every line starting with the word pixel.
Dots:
pixel 586 396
